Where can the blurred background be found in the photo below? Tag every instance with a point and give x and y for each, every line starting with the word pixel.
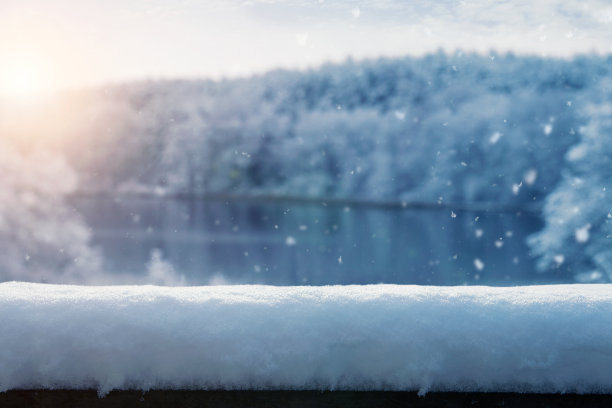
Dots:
pixel 305 142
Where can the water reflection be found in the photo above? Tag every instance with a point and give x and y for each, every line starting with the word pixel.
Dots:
pixel 314 244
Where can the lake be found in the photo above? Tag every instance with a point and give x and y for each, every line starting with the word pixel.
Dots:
pixel 290 243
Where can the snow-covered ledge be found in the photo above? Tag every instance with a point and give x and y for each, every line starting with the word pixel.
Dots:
pixel 381 337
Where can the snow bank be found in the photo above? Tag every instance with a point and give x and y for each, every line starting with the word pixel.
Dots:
pixel 383 337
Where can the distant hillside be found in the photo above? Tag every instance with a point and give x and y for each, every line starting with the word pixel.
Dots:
pixel 451 129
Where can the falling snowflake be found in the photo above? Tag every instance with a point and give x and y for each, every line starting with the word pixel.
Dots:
pixel 530 176
pixel 548 129
pixel 582 234
pixel 495 137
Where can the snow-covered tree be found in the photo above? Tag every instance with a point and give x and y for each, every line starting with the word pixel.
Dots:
pixel 577 237
pixel 42 239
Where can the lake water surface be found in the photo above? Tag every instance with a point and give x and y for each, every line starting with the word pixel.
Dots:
pixel 284 243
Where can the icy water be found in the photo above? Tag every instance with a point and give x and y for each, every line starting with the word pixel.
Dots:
pixel 280 243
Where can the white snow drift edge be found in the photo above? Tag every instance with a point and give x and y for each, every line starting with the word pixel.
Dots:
pixel 380 337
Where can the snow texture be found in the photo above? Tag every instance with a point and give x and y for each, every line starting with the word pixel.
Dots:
pixel 381 337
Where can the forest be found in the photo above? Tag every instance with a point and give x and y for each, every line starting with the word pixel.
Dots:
pixel 452 130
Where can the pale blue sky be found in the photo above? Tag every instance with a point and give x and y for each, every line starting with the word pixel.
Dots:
pixel 73 43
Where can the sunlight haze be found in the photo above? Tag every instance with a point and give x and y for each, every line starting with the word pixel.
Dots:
pixel 82 43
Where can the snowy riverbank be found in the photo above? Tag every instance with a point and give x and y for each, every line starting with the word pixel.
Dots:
pixel 381 337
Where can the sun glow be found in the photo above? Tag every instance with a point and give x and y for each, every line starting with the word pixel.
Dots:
pixel 23 80
pixel 27 104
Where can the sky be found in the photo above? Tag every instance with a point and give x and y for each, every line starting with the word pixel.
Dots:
pixel 59 44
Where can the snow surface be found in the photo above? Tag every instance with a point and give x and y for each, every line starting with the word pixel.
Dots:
pixel 381 337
